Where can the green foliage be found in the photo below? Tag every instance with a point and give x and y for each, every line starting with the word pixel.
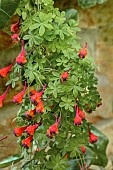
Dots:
pixel 89 3
pixel 7 9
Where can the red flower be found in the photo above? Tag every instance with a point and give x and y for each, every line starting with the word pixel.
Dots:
pixel 27 142
pixel 81 114
pixel 77 119
pixel 83 52
pixel 31 129
pixel 32 92
pixel 35 99
pixel 18 98
pixel 93 138
pixel 4 71
pixel 35 96
pixel 15 38
pixel 21 59
pixel 53 130
pixel 40 107
pixel 83 149
pixel 3 96
pixel 66 156
pixel 65 75
pixel 30 114
pixel 19 130
pixel 15 27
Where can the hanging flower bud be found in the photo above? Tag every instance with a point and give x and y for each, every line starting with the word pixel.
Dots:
pixel 99 104
pixel 21 59
pixel 35 96
pixel 31 129
pixel 64 76
pixel 77 119
pixel 83 149
pixel 18 98
pixel 92 138
pixel 66 156
pixel 15 38
pixel 40 107
pixel 83 52
pixel 27 142
pixel 4 71
pixel 19 130
pixel 53 130
pixel 15 27
pixel 3 97
pixel 81 114
pixel 30 114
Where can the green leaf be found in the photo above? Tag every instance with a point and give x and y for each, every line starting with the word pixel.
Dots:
pixel 88 3
pixel 41 30
pixel 48 26
pixel 7 9
pixel 75 92
pixel 73 154
pixel 71 14
pixel 62 104
pixel 24 15
pixel 8 161
pixel 8 82
pixel 50 165
pixel 34 26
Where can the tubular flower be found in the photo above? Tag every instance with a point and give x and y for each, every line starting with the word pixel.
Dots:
pixel 83 52
pixel 77 119
pixel 40 107
pixel 64 76
pixel 21 59
pixel 4 71
pixel 3 97
pixel 15 27
pixel 81 114
pixel 92 138
pixel 66 156
pixel 15 38
pixel 35 96
pixel 18 98
pixel 19 130
pixel 27 142
pixel 53 130
pixel 30 114
pixel 83 149
pixel 31 129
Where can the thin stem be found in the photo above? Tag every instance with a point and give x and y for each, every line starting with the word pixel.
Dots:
pixel 82 163
pixel 3 138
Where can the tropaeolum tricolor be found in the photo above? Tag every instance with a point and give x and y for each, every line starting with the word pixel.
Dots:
pixel 63 88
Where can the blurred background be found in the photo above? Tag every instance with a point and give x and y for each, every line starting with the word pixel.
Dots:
pixel 96 23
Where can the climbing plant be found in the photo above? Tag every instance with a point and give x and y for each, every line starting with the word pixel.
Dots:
pixel 60 88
